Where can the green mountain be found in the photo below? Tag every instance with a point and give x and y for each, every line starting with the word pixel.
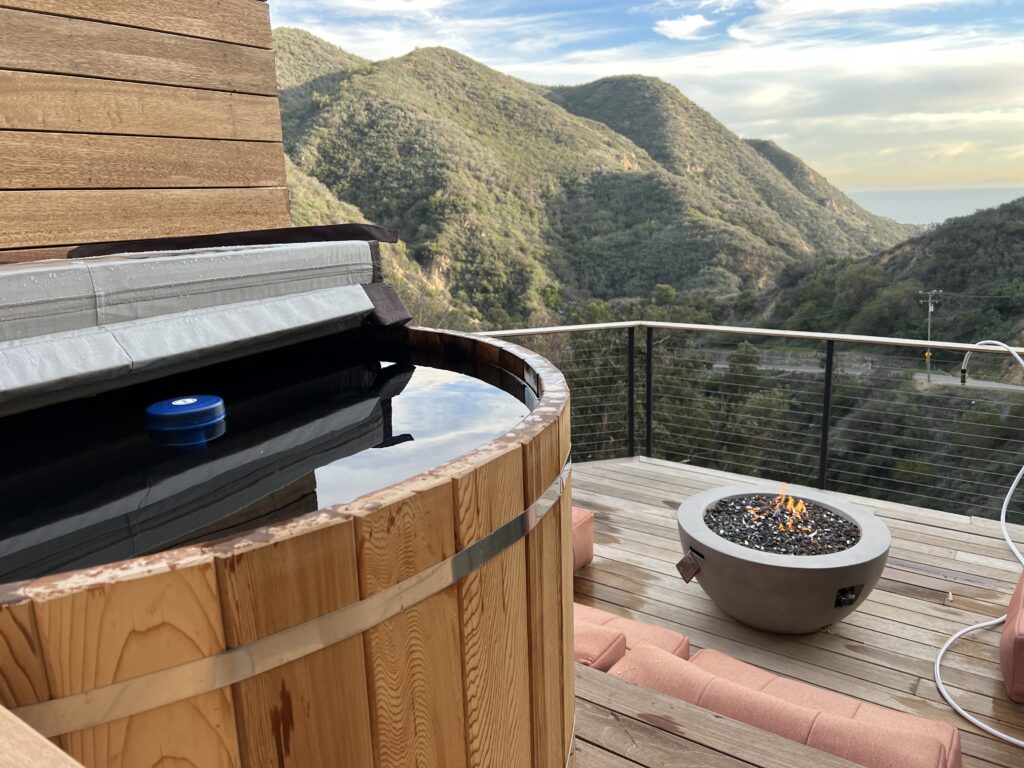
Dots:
pixel 977 261
pixel 518 198
pixel 754 183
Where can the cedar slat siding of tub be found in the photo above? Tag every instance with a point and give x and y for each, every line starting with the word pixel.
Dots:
pixel 128 120
pixel 124 628
pixel 544 580
pixel 473 676
pixel 565 512
pixel 23 674
pixel 265 589
pixel 493 612
pixel 413 660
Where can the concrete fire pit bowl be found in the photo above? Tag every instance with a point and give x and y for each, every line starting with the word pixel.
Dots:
pixel 790 594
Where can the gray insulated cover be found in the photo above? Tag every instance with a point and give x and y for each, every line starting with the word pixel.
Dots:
pixel 69 328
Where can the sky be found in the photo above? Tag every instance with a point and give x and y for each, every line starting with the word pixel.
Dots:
pixel 874 94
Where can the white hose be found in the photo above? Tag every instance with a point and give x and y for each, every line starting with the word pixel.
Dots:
pixel 992 622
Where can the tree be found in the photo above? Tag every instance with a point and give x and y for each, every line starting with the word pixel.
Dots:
pixel 664 295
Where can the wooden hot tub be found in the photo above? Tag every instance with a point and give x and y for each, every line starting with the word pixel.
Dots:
pixel 270 648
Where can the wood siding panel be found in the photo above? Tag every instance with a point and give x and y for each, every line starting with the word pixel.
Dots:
pixel 118 631
pixel 313 711
pixel 41 43
pixel 40 218
pixel 496 661
pixel 33 254
pixel 413 660
pixel 31 101
pixel 233 21
pixel 77 161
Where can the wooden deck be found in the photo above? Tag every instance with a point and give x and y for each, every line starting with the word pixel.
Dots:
pixel 944 571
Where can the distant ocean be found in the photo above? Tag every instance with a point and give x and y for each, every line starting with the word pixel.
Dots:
pixel 933 205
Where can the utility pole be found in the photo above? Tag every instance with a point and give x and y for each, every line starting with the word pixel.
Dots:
pixel 931 301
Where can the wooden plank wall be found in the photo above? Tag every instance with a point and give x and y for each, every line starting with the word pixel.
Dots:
pixel 123 120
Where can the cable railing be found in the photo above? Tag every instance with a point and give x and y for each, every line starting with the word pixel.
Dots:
pixel 859 414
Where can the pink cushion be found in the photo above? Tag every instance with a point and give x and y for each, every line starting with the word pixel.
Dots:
pixel 637 632
pixel 863 733
pixel 758 709
pixel 944 733
pixel 812 696
pixel 875 745
pixel 1011 646
pixel 661 671
pixel 783 688
pixel 597 646
pixel 582 537
pixel 722 665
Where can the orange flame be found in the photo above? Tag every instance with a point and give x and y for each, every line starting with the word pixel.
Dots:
pixel 795 508
pixel 779 500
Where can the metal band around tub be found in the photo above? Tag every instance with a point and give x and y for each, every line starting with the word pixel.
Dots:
pixel 210 673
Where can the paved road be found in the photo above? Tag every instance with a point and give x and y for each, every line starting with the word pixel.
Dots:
pixel 945 379
pixel 938 378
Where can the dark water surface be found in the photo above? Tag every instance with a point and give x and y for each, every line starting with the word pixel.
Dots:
pixel 83 483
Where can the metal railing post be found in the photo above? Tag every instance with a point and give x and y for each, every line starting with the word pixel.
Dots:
pixel 649 399
pixel 826 413
pixel 631 389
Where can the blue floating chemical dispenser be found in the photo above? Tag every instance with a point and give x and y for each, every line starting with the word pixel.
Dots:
pixel 186 422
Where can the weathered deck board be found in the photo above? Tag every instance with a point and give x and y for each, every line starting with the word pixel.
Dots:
pixel 944 571
pixel 652 729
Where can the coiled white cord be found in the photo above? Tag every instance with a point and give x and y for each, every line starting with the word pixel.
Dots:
pixel 992 622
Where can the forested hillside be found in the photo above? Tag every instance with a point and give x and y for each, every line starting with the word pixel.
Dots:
pixel 522 201
pixel 977 261
pixel 430 303
pixel 754 183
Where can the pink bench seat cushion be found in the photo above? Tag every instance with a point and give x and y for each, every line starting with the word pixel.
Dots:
pixel 805 695
pixel 758 709
pixel 1011 646
pixel 871 736
pixel 726 666
pixel 582 537
pixel 636 632
pixel 598 646
pixel 876 717
pixel 876 746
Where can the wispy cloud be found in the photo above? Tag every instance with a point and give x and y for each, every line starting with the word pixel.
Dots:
pixel 386 33
pixel 367 7
pixel 722 5
pixel 837 81
pixel 683 28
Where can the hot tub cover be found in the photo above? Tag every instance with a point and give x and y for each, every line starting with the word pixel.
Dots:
pixel 74 327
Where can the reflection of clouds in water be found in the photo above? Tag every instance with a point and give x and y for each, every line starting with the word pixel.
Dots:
pixel 447 413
